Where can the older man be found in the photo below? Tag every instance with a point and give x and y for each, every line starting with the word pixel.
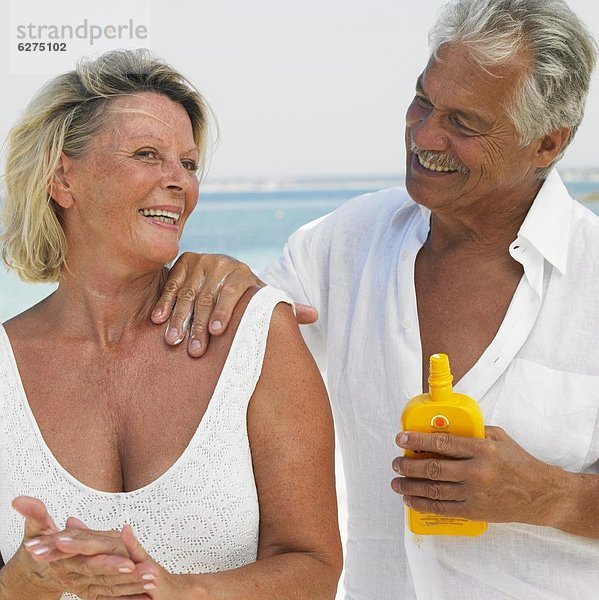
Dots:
pixel 485 257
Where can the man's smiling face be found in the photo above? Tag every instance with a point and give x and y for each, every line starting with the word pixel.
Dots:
pixel 462 148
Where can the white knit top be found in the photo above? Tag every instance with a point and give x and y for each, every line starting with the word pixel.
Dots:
pixel 201 515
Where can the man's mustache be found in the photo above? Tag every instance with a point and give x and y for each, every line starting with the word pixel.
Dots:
pixel 440 159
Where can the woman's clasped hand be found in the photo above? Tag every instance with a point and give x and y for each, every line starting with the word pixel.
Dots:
pixel 91 564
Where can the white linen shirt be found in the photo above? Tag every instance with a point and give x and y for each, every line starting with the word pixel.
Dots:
pixel 538 379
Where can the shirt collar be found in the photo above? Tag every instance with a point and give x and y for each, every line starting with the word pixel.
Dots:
pixel 424 212
pixel 544 234
pixel 547 225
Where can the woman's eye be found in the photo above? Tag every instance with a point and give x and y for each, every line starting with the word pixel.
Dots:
pixel 147 153
pixel 190 165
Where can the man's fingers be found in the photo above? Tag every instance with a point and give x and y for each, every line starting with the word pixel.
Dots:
pixel 434 490
pixel 435 468
pixel 178 323
pixel 207 289
pixel 229 292
pixel 232 290
pixel 445 508
pixel 305 315
pixel 203 307
pixel 496 434
pixel 37 518
pixel 175 279
pixel 446 444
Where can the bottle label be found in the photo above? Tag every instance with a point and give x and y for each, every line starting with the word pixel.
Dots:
pixel 431 520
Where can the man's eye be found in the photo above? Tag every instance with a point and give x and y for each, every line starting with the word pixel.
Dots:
pixel 423 101
pixel 464 128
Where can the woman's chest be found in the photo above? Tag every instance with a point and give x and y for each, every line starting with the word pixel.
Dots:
pixel 116 423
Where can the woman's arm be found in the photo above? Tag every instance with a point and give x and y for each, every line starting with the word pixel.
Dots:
pixel 291 436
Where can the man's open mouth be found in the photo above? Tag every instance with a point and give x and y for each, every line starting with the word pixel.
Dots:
pixel 433 167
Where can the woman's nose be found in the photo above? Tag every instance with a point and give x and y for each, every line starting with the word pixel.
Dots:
pixel 176 175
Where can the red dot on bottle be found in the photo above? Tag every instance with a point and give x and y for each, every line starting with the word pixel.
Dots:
pixel 440 421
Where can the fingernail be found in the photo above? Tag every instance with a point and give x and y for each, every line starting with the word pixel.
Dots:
pixel 41 550
pixel 64 538
pixel 150 586
pixel 403 438
pixel 195 345
pixel 125 569
pixel 172 334
pixel 406 501
pixel 32 543
pixel 216 326
pixel 148 577
pixel 157 313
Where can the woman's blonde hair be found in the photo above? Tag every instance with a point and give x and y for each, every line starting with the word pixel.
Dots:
pixel 63 117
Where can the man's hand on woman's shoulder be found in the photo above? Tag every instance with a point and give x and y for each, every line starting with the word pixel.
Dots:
pixel 200 295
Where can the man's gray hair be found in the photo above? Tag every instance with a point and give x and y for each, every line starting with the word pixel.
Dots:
pixel 562 52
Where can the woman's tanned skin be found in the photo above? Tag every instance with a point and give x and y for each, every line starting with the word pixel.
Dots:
pixel 123 434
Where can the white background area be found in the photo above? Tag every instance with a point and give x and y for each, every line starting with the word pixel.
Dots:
pixel 299 88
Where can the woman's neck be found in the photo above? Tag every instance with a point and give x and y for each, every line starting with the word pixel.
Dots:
pixel 102 306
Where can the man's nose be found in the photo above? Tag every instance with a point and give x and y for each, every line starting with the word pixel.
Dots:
pixel 427 130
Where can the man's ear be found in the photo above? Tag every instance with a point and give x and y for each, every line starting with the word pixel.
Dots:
pixel 59 189
pixel 550 146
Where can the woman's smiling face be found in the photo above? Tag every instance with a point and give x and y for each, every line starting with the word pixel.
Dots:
pixel 136 184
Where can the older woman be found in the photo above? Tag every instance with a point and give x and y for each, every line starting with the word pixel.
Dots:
pixel 230 490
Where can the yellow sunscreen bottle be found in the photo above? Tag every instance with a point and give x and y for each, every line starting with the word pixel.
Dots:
pixel 442 410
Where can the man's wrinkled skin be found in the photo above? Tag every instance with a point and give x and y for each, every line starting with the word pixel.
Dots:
pixel 490 479
pixel 199 297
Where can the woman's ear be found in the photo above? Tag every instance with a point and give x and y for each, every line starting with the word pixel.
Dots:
pixel 59 189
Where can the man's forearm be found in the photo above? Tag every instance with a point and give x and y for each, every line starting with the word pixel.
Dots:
pixel 576 509
pixel 293 576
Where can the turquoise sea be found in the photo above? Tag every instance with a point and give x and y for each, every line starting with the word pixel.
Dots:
pixel 251 225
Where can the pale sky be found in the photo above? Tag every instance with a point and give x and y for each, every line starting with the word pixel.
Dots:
pixel 300 88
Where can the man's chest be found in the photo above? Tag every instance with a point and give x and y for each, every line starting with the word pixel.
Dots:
pixel 460 310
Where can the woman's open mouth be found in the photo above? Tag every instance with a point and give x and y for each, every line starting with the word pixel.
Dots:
pixel 161 216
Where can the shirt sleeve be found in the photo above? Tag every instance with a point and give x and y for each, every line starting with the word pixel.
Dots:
pixel 303 273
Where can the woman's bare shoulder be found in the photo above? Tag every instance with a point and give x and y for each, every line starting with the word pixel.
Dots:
pixel 30 324
pixel 290 380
